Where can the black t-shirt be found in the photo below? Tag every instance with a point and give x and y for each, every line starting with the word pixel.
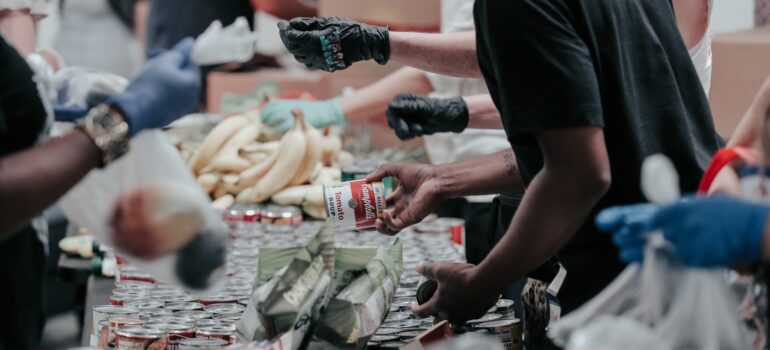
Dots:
pixel 620 65
pixel 22 116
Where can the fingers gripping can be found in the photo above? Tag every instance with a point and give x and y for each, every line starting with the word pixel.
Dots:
pixel 355 204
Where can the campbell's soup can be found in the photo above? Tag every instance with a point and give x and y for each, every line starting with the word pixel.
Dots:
pixel 355 204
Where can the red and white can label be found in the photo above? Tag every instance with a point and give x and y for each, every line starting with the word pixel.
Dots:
pixel 355 204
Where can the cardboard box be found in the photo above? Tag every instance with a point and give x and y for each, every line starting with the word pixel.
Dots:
pixel 741 65
pixel 399 15
pixel 300 80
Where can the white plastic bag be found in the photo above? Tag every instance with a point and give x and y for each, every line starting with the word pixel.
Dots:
pixel 684 308
pixel 151 160
pixel 84 87
pixel 217 45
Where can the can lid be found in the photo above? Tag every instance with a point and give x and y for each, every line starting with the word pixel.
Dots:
pixel 486 318
pixel 142 332
pixel 115 309
pixel 202 342
pixel 498 323
pixel 384 338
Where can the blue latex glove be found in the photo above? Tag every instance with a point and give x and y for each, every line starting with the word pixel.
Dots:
pixel 705 231
pixel 167 88
pixel 320 114
pixel 628 225
pixel 69 114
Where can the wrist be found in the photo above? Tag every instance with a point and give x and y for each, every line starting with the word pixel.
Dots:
pixel 449 184
pixel 337 112
pixel 108 130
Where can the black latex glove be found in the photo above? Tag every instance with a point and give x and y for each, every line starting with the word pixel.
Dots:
pixel 333 43
pixel 412 115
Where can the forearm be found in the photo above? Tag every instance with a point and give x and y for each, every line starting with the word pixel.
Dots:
pixel 373 99
pixel 745 133
pixel 553 210
pixel 451 54
pixel 32 180
pixel 482 112
pixel 496 173
pixel 18 27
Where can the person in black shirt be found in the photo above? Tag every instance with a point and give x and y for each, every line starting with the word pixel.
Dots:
pixel 34 175
pixel 586 89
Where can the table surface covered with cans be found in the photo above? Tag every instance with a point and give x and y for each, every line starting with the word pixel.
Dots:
pixel 141 313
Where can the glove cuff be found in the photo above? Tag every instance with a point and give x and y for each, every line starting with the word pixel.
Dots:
pixel 339 114
pixel 384 52
pixel 129 111
pixel 460 117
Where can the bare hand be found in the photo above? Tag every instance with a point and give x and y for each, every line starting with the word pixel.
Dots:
pixel 418 194
pixel 460 296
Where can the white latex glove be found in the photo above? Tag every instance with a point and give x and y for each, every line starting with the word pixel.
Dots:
pixel 217 45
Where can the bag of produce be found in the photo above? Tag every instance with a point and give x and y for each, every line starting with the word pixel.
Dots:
pixel 292 300
pixel 353 315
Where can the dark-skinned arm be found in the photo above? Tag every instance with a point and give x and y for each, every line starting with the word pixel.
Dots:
pixel 496 173
pixel 575 176
pixel 33 179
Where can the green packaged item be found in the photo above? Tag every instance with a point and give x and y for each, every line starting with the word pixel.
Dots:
pixel 353 316
pixel 291 302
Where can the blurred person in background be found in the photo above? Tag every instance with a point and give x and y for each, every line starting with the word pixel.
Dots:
pixel 17 23
pixel 165 89
pixel 99 34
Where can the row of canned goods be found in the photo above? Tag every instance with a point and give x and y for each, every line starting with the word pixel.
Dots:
pixel 265 214
pixel 146 315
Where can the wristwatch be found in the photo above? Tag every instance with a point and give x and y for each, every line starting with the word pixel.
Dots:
pixel 109 131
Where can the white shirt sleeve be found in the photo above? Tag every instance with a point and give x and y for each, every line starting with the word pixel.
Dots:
pixel 37 8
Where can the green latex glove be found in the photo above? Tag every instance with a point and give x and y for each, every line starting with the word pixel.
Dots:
pixel 320 114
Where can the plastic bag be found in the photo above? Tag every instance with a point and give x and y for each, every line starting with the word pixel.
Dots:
pixel 85 87
pixel 217 45
pixel 291 301
pixel 353 316
pixel 684 308
pixel 151 160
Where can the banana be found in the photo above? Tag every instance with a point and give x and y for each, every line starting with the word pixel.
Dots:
pixel 227 162
pixel 242 138
pixel 264 147
pixel 330 145
pixel 255 158
pixel 315 211
pixel 230 182
pixel 290 156
pixel 224 202
pixel 244 197
pixel 314 196
pixel 344 159
pixel 215 140
pixel 251 176
pixel 312 155
pixel 294 195
pixel 327 176
pixel 220 190
pixel 208 182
